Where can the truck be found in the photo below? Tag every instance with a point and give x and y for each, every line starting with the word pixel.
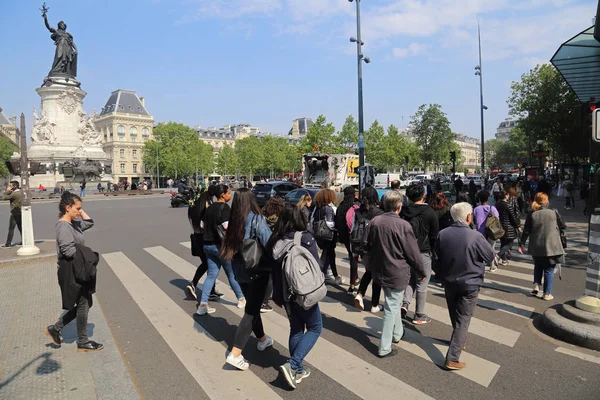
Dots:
pixel 329 170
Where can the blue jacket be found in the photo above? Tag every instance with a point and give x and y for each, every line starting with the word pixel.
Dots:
pixel 462 254
pixel 263 233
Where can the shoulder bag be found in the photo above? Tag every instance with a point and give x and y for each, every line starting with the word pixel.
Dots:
pixel 252 250
pixel 561 232
pixel 322 231
pixel 493 228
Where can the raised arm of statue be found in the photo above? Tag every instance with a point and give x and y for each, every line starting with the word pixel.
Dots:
pixel 51 29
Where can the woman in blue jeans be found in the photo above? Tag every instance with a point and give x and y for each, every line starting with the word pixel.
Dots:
pixel 543 226
pixel 214 223
pixel 305 325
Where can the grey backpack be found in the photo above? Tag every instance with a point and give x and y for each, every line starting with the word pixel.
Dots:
pixel 302 276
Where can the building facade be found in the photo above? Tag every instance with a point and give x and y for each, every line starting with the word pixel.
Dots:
pixel 8 128
pixel 505 128
pixel 299 129
pixel 471 152
pixel 126 125
pixel 227 135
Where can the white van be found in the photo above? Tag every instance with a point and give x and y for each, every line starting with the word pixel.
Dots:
pixel 382 180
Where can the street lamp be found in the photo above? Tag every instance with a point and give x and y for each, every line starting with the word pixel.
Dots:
pixel 482 107
pixel 361 127
pixel 540 143
pixel 157 167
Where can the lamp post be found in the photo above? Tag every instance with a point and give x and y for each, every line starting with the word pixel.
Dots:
pixel 157 167
pixel 361 127
pixel 482 107
pixel 540 144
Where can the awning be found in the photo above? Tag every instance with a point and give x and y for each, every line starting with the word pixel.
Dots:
pixel 578 61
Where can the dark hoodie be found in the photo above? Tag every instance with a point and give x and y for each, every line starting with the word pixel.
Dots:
pixel 425 224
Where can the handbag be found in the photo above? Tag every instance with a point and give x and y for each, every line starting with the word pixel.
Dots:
pixel 322 231
pixel 195 240
pixel 251 251
pixel 561 232
pixel 221 231
pixel 493 228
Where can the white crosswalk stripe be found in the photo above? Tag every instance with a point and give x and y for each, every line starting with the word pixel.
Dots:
pixel 185 336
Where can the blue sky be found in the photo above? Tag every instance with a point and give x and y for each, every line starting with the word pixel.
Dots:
pixel 266 62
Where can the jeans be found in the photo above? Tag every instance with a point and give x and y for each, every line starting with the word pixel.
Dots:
pixel 461 305
pixel 375 289
pixel 254 292
pixel 392 320
pixel 15 220
pixel 328 259
pixel 505 246
pixel 541 265
pixel 305 329
pixel 82 192
pixel 570 200
pixel 353 264
pixel 81 312
pixel 418 288
pixel 214 264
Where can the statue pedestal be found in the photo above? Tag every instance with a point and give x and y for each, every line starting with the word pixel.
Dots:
pixel 62 135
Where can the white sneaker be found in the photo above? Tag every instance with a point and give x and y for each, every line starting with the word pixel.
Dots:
pixel 329 278
pixel 203 310
pixel 377 308
pixel 262 346
pixel 358 302
pixel 239 362
pixel 339 280
pixel 241 303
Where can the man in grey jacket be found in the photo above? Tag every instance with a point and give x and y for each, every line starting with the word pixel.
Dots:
pixel 13 194
pixel 462 254
pixel 393 252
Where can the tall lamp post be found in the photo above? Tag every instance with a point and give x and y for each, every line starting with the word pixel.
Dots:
pixel 482 107
pixel 157 167
pixel 361 126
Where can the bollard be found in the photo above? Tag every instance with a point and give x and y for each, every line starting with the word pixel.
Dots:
pixel 591 301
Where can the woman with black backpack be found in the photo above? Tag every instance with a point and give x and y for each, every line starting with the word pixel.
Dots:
pixel 344 234
pixel 323 225
pixel 305 325
pixel 246 223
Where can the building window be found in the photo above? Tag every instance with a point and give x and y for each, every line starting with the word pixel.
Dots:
pixel 122 168
pixel 122 153
pixel 134 153
pixel 135 168
pixel 134 139
pixel 121 130
pixel 121 139
pixel 145 132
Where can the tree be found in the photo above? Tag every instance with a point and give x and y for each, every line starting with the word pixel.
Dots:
pixel 226 161
pixel 374 146
pixel 432 133
pixel 347 138
pixel 549 110
pixel 321 135
pixel 249 154
pixel 7 148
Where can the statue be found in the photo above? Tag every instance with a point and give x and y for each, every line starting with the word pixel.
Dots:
pixel 65 57
pixel 43 129
pixel 88 132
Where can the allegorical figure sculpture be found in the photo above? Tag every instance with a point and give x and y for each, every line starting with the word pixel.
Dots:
pixel 43 129
pixel 65 57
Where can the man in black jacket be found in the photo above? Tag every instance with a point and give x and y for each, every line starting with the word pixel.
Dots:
pixel 425 225
pixel 462 254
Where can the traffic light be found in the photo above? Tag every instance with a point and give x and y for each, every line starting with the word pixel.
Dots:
pixel 35 167
pixel 453 156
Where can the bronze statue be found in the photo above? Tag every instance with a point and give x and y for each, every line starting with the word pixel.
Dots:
pixel 65 57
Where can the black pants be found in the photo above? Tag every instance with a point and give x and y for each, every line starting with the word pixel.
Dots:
pixel 80 311
pixel 461 305
pixel 375 290
pixel 254 293
pixel 269 290
pixel 15 220
pixel 353 263
pixel 328 258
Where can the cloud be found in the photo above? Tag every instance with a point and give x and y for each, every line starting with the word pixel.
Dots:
pixel 413 49
pixel 229 8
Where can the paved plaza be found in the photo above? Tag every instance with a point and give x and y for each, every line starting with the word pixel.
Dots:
pixel 157 348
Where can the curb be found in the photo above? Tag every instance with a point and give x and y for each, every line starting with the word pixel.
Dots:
pixel 570 331
pixel 28 260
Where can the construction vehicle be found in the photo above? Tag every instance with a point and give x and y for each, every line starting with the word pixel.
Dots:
pixel 329 170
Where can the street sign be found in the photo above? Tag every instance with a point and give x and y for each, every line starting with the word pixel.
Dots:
pixel 539 154
pixel 595 127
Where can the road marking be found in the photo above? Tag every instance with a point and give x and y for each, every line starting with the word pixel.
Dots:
pixel 201 354
pixel 582 356
pixel 504 286
pixel 512 274
pixel 340 365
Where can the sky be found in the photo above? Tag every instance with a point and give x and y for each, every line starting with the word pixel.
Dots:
pixel 267 62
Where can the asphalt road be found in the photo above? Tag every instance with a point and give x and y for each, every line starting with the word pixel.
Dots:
pixel 172 353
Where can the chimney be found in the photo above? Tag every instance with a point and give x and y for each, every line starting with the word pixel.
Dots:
pixel 143 103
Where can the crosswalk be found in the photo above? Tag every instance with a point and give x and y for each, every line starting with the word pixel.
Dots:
pixel 504 309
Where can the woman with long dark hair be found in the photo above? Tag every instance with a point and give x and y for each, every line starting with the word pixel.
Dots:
pixel 271 212
pixel 369 209
pixel 246 222
pixel 214 222
pixel 72 222
pixel 195 214
pixel 325 210
pixel 511 223
pixel 344 234
pixel 305 325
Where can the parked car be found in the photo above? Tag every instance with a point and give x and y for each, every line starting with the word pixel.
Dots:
pixel 263 191
pixel 478 179
pixel 294 196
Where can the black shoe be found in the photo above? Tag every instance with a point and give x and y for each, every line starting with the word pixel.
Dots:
pixel 190 290
pixel 390 354
pixel 265 307
pixel 352 291
pixel 54 335
pixel 215 292
pixel 213 297
pixel 5 246
pixel 89 346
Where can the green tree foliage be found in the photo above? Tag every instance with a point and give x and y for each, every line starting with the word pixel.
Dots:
pixel 433 135
pixel 180 152
pixel 226 161
pixel 375 146
pixel 7 148
pixel 549 110
pixel 250 154
pixel 320 134
pixel 347 138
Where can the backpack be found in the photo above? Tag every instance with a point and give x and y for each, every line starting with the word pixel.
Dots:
pixel 357 234
pixel 570 186
pixel 302 276
pixel 446 220
pixel 493 228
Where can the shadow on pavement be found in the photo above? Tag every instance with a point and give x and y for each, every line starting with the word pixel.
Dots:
pixel 47 366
